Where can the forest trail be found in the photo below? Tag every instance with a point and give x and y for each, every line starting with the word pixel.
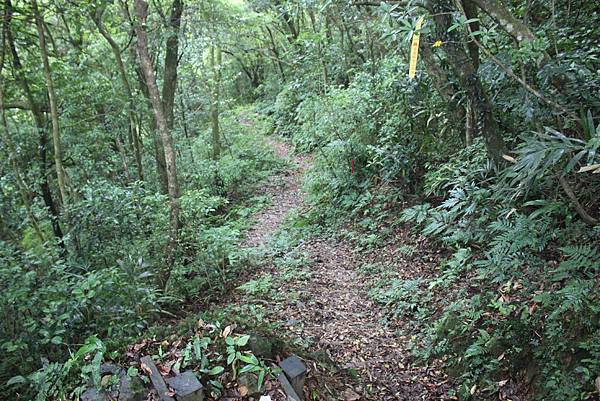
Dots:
pixel 353 354
pixel 285 193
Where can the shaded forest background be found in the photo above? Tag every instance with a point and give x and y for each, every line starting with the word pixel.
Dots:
pixel 132 155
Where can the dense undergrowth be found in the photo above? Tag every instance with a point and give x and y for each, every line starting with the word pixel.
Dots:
pixel 490 150
pixel 108 289
pixel 518 303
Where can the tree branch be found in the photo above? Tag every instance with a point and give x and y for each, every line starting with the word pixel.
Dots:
pixel 22 106
pixel 507 21
pixel 585 216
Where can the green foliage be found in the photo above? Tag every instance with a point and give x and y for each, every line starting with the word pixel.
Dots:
pixel 106 285
pixel 517 296
pixel 369 124
pixel 258 287
pixel 51 382
pixel 49 306
pixel 533 300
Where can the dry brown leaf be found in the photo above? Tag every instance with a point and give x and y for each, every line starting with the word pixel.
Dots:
pixel 588 168
pixel 509 158
pixel 105 380
pixel 139 346
pixel 473 389
pixel 146 369
pixel 165 368
pixel 243 390
pixel 226 331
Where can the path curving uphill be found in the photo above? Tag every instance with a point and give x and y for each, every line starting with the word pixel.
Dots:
pixel 332 312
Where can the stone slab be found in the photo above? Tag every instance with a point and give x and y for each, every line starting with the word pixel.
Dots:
pixel 159 384
pixel 287 388
pixel 187 387
pixel 295 371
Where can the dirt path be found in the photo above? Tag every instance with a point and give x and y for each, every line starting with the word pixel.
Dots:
pixel 284 190
pixel 332 312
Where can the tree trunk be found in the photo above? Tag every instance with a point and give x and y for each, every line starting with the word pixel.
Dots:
pixel 60 173
pixel 159 154
pixel 275 52
pixel 513 26
pixel 141 8
pixel 171 60
pixel 471 14
pixel 215 67
pixel 38 119
pixel 288 22
pixel 469 127
pixel 12 152
pixel 465 69
pixel 97 18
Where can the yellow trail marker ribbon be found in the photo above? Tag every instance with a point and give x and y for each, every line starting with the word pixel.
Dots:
pixel 414 49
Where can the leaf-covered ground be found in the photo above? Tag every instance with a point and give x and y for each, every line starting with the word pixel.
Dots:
pixel 322 306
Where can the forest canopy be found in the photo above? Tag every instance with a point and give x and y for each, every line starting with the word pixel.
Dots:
pixel 137 139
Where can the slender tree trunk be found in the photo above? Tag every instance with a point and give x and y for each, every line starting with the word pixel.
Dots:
pixel 215 67
pixel 505 18
pixel 97 18
pixel 288 22
pixel 275 52
pixel 469 126
pixel 141 8
pixel 185 129
pixel 159 154
pixel 171 60
pixel 38 119
pixel 25 193
pixel 353 49
pixel 465 69
pixel 60 173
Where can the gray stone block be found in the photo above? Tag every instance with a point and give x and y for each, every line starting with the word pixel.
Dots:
pixel 287 388
pixel 295 371
pixel 91 394
pixel 131 389
pixel 159 384
pixel 187 387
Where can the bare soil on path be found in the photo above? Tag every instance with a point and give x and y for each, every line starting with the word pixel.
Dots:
pixel 333 314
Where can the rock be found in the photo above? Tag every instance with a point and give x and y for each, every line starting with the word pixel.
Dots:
pixel 248 384
pixel 131 389
pixel 159 384
pixel 91 394
pixel 261 346
pixel 127 389
pixel 187 387
pixel 288 389
pixel 110 369
pixel 265 398
pixel 295 371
